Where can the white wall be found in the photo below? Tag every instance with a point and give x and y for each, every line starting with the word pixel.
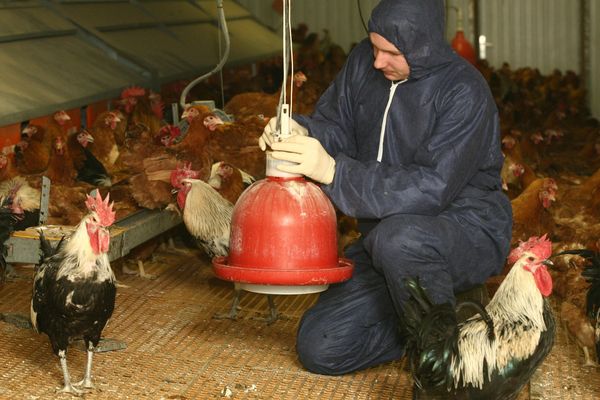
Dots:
pixel 535 33
pixel 544 34
pixel 340 17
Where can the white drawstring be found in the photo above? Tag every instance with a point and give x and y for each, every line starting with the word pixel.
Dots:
pixel 384 123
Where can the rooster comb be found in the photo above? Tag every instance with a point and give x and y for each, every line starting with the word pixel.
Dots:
pixel 102 208
pixel 550 183
pixel 541 246
pixel 182 172
pixel 133 91
pixel 61 115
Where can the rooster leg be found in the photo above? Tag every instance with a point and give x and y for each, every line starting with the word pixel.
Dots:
pixel 235 305
pixel 86 382
pixel 273 314
pixel 68 387
pixel 143 273
pixel 566 328
pixel 168 245
pixel 171 244
pixel 128 271
pixel 588 359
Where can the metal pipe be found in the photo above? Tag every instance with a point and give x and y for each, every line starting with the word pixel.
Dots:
pixel 223 24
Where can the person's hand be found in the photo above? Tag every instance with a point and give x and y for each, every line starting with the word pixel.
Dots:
pixel 311 158
pixel 267 136
pixel 266 139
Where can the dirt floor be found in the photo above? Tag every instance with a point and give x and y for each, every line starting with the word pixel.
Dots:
pixel 176 350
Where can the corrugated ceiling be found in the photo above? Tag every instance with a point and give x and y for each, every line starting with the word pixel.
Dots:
pixel 64 54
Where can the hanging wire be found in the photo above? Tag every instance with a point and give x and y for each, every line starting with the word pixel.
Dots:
pixel 288 60
pixel 362 18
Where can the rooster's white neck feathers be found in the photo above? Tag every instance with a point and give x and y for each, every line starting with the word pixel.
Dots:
pixel 206 213
pixel 80 260
pixel 517 310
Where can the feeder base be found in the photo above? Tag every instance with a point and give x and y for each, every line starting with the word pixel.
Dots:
pixel 314 277
pixel 280 289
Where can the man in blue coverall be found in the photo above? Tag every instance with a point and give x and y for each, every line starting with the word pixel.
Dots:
pixel 407 140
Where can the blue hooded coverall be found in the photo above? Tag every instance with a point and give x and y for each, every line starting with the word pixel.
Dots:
pixel 426 189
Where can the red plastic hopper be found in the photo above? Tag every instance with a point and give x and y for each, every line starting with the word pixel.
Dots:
pixel 283 239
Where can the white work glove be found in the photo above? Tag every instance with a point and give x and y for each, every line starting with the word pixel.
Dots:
pixel 311 158
pixel 266 139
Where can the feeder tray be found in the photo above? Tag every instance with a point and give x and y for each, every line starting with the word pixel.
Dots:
pixel 267 280
pixel 283 240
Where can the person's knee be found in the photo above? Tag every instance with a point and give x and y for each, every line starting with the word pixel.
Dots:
pixel 412 246
pixel 403 239
pixel 315 352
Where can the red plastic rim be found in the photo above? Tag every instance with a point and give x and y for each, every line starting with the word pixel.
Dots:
pixel 295 277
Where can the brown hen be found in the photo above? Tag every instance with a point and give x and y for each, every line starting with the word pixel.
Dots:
pixel 530 210
pixel 32 154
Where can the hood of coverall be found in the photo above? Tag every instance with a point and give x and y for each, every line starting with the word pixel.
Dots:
pixel 416 28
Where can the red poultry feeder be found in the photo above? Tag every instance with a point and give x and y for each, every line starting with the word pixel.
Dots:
pixel 460 44
pixel 283 239
pixel 463 47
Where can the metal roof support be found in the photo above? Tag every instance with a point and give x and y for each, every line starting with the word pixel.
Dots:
pixel 94 37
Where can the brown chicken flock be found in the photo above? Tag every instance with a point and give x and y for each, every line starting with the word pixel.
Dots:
pixel 551 173
pixel 550 142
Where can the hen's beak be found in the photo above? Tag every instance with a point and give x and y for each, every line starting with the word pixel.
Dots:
pixel 548 263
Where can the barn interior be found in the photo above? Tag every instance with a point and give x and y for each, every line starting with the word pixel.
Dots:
pixel 142 66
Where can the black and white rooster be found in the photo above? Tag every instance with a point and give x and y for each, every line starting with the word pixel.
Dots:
pixel 493 354
pixel 74 288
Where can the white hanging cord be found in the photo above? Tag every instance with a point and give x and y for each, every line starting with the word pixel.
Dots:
pixel 283 109
pixel 223 24
pixel 291 49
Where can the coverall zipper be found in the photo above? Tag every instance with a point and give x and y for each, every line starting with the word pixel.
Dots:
pixel 385 114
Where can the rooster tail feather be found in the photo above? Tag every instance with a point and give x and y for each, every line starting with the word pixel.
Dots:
pixel 416 291
pixel 432 337
pixel 480 309
pixel 46 247
pixel 585 253
pixel 103 181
